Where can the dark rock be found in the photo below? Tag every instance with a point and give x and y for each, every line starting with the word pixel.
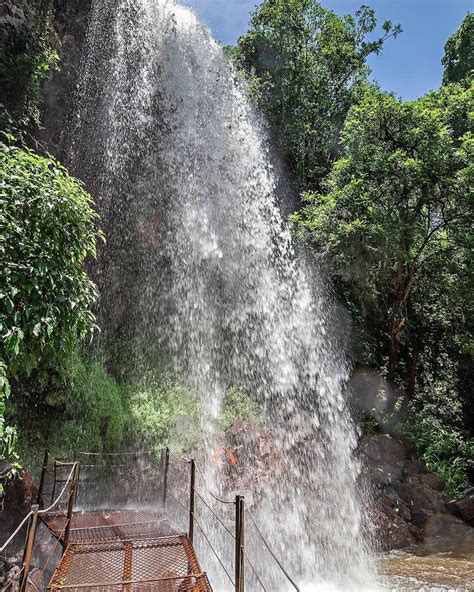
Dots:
pixel 432 481
pixel 389 529
pixel 470 471
pixel 464 508
pixel 384 449
pixel 444 533
pixel 423 501
pixel 415 467
pixel 20 494
pixel 405 494
pixel 384 458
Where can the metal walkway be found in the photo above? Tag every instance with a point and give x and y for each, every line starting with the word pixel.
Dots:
pixel 72 546
pixel 134 551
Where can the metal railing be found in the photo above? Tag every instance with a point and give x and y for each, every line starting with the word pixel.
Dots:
pixel 241 555
pixel 31 521
pixel 189 473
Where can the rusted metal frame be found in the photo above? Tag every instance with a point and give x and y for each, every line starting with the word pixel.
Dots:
pixel 39 499
pixel 193 563
pixel 30 539
pixel 55 468
pixel 116 529
pixel 143 542
pixel 127 566
pixel 56 531
pixel 192 499
pixel 128 582
pixel 166 461
pixel 70 506
pixel 239 544
pixel 104 545
pixel 203 583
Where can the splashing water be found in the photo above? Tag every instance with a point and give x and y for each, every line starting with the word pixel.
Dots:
pixel 200 269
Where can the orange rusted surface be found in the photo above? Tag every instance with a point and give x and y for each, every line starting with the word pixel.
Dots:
pixel 126 552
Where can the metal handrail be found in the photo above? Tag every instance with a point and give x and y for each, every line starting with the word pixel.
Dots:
pixel 17 530
pixel 278 562
pixel 28 516
pixel 62 490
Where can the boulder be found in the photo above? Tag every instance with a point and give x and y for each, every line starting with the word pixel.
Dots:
pixel 390 529
pixel 20 494
pixel 423 501
pixel 415 467
pixel 384 458
pixel 432 481
pixel 444 533
pixel 384 448
pixel 464 508
pixel 405 495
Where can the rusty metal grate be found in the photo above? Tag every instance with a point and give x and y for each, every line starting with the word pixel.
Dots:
pixel 110 526
pixel 165 564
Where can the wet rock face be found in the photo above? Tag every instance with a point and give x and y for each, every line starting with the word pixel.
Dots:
pixel 464 508
pixel 68 31
pixel 65 33
pixel 20 494
pixel 405 496
pixel 19 13
pixel 444 533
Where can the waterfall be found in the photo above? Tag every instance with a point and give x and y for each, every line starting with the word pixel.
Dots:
pixel 200 268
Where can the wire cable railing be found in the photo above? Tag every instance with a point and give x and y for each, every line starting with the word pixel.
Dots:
pixel 30 524
pixel 244 551
pixel 270 550
pixel 179 477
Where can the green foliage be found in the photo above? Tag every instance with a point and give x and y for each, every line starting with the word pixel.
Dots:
pixel 25 59
pixel 305 64
pixel 395 208
pixel 238 404
pixel 47 229
pixel 458 59
pixel 8 435
pixel 442 447
pixel 85 410
pixel 88 410
pixel 162 413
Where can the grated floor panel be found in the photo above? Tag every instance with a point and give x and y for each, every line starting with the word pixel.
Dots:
pixel 126 552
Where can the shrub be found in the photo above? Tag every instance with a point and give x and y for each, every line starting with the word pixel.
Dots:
pixel 25 59
pixel 163 412
pixel 92 411
pixel 238 404
pixel 442 447
pixel 47 229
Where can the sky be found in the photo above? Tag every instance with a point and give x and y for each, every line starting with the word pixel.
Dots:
pixel 409 66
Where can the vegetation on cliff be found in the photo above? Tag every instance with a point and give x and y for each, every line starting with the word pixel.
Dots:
pixel 386 191
pixel 387 207
pixel 47 230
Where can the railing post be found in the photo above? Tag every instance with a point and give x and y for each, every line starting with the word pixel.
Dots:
pixel 165 475
pixel 39 499
pixel 239 543
pixel 192 500
pixel 70 505
pixel 28 549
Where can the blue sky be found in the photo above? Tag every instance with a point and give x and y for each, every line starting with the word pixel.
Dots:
pixel 409 66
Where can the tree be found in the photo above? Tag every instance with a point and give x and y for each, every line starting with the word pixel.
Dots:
pixel 395 210
pixel 305 64
pixel 458 59
pixel 47 229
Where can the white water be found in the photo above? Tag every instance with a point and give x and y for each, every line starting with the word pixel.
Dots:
pixel 200 267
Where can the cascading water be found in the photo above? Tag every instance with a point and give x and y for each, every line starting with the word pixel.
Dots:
pixel 200 268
